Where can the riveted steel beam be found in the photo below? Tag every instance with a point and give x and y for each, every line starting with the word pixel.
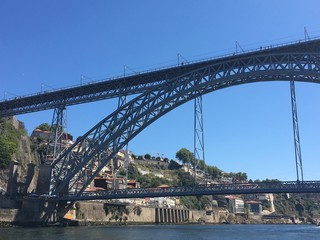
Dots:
pixel 144 81
pixel 215 189
pixel 78 166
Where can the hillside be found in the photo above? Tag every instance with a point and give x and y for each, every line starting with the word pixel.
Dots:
pixel 16 158
pixel 151 173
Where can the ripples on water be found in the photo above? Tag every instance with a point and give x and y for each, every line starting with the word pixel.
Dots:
pixel 165 232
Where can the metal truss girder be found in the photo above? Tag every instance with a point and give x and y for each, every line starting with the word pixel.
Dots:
pixel 142 82
pixel 298 157
pixel 95 147
pixel 57 139
pixel 216 189
pixel 199 153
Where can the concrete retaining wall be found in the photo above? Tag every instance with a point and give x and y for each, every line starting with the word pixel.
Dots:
pixel 101 212
pixel 8 215
pixel 171 215
pixel 33 212
pixel 108 213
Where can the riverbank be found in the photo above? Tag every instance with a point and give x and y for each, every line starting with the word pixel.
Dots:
pixel 5 225
pixel 92 213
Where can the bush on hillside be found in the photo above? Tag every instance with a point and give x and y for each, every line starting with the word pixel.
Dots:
pixel 9 142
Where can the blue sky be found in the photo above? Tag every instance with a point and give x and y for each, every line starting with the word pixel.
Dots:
pixel 47 45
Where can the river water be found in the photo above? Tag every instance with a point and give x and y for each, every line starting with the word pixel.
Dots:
pixel 165 232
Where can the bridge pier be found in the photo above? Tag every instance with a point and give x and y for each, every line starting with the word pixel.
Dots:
pixel 37 212
pixel 173 216
pixel 165 215
pixel 298 157
pixel 170 215
pixel 161 215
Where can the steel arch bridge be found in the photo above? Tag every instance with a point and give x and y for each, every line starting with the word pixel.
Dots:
pixel 75 168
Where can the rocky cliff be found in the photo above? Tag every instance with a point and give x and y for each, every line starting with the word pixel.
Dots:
pixel 21 173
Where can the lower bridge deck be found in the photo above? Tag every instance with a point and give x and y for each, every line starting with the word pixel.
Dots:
pixel 214 189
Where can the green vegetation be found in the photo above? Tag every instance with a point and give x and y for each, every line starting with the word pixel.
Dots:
pixel 117 212
pixel 9 143
pixel 196 202
pixel 148 180
pixel 295 204
pixel 44 127
pixel 173 165
pixel 183 179
pixel 239 176
pixel 185 156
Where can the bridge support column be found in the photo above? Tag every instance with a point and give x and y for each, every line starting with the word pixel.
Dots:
pixel 165 215
pixel 198 138
pixel 161 215
pixel 297 148
pixel 157 215
pixel 58 134
pixel 176 215
pixel 173 219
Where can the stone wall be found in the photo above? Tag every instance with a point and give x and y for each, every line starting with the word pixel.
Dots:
pixel 171 215
pixel 22 175
pixel 102 212
pixel 8 215
pixel 201 216
pixel 112 213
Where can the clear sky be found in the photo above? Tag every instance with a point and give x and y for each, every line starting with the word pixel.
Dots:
pixel 47 45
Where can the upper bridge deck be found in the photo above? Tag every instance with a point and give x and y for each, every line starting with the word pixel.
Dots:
pixel 135 83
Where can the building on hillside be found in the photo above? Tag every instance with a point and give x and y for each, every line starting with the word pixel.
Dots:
pixel 45 135
pixel 40 134
pixel 254 207
pixel 235 204
pixel 227 180
pixel 133 184
pixel 42 137
pixel 169 202
pixel 263 197
pixel 110 183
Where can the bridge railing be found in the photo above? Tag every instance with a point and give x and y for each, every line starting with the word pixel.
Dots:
pixel 214 189
pixel 162 68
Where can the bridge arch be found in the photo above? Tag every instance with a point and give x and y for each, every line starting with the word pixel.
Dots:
pixel 73 169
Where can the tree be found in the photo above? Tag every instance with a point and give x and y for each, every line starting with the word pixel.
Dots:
pixel 201 165
pixel 185 156
pixel 213 171
pixel 9 142
pixel 173 165
pixel 196 202
pixel 184 179
pixel 44 127
pixel 147 156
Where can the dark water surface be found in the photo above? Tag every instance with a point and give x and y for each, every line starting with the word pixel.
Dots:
pixel 165 232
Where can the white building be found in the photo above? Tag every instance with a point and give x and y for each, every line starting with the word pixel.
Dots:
pixel 235 204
